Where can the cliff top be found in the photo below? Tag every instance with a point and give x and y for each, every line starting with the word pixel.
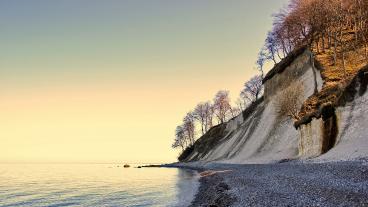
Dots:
pixel 284 63
pixel 336 80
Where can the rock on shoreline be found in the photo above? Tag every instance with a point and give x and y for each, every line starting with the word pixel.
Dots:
pixel 284 184
pixel 213 191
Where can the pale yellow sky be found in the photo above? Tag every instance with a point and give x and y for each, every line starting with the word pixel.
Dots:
pixel 109 81
pixel 99 121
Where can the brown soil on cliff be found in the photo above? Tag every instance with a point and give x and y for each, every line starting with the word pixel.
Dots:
pixel 335 78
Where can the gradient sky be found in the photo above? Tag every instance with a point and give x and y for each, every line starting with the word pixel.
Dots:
pixel 109 80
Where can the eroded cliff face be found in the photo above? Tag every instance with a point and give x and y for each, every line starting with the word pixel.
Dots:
pixel 319 136
pixel 310 144
pixel 260 135
pixel 341 133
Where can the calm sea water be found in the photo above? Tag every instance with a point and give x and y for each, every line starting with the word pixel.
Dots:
pixel 94 185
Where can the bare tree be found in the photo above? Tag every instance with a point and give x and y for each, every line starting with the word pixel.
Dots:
pixel 252 89
pixel 241 103
pixel 180 138
pixel 261 60
pixel 189 127
pixel 290 101
pixel 235 111
pixel 176 144
pixel 209 113
pixel 340 23
pixel 222 105
pixel 271 47
pixel 200 114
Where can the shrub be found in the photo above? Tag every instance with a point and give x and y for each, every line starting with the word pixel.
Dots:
pixel 290 100
pixel 186 153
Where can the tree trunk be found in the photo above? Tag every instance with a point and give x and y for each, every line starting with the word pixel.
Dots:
pixel 342 43
pixel 262 73
pixel 273 58
pixel 290 47
pixel 343 62
pixel 366 51
pixel 284 48
pixel 317 44
pixel 335 48
pixel 278 55
pixel 202 127
pixel 356 31
pixel 323 42
pixel 365 47
pixel 284 53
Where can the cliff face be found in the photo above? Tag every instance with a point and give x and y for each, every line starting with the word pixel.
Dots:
pixel 260 135
pixel 341 133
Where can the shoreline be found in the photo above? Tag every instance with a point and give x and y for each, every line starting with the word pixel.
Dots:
pixel 213 189
pixel 343 183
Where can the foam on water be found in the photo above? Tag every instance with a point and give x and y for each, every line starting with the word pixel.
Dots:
pixel 94 185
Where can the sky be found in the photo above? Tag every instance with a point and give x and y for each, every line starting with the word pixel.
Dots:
pixel 108 81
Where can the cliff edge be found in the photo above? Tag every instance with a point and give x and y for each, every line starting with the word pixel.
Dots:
pixel 337 131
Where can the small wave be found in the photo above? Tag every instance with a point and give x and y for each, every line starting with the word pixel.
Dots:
pixel 96 185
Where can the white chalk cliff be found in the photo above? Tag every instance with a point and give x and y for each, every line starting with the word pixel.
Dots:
pixel 260 135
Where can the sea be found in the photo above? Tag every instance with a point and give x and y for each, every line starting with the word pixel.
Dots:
pixel 102 185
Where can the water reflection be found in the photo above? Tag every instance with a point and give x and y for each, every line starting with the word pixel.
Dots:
pixel 93 185
pixel 187 186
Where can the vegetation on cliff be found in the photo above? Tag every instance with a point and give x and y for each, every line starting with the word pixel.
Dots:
pixel 205 114
pixel 335 31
